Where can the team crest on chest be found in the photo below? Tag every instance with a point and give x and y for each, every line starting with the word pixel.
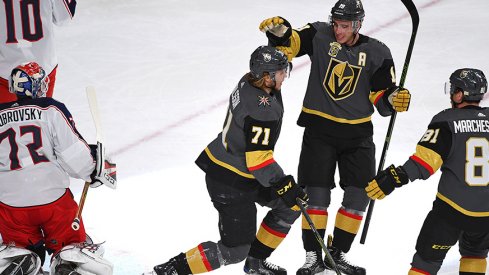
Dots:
pixel 263 100
pixel 341 79
pixel 335 47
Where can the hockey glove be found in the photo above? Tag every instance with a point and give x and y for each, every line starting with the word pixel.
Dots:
pixel 386 181
pixel 105 172
pixel 399 98
pixel 289 191
pixel 277 29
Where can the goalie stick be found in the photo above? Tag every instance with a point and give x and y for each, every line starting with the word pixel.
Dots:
pixel 413 12
pixel 92 102
pixel 320 240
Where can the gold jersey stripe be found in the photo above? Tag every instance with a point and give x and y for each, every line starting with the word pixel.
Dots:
pixel 258 159
pixel 346 223
pixel 473 265
pixel 227 166
pixel 430 157
pixel 196 260
pixel 375 96
pixel 460 209
pixel 336 119
pixel 269 237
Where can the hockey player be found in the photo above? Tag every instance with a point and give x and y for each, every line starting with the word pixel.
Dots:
pixel 350 74
pixel 241 171
pixel 457 141
pixel 40 149
pixel 28 35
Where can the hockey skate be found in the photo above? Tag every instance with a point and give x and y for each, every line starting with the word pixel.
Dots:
pixel 22 264
pixel 262 267
pixel 168 268
pixel 313 265
pixel 342 263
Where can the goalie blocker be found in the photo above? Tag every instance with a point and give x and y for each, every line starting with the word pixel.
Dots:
pixel 105 172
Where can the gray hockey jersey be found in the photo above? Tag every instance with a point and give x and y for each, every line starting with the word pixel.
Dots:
pixel 242 154
pixel 457 141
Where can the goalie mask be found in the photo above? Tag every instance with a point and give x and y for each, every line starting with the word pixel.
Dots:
pixel 472 82
pixel 29 80
pixel 348 10
pixel 267 59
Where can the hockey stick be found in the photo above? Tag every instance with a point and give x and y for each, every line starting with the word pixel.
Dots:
pixel 92 102
pixel 320 240
pixel 415 20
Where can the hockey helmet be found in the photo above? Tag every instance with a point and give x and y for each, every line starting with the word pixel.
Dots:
pixel 348 10
pixel 472 82
pixel 29 79
pixel 267 59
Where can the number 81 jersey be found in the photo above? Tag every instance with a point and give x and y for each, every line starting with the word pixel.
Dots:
pixel 457 141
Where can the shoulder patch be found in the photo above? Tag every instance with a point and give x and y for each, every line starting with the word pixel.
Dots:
pixel 264 101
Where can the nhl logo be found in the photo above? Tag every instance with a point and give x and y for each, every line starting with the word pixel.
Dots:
pixel 267 57
pixel 335 48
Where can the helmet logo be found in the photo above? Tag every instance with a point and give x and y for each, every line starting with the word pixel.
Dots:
pixel 267 57
pixel 335 48
pixel 463 74
pixel 342 6
pixel 341 79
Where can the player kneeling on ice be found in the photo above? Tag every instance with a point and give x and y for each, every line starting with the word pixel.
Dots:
pixel 40 149
pixel 457 141
pixel 241 171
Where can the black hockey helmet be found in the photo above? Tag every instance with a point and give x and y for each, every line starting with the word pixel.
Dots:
pixel 349 10
pixel 267 59
pixel 472 82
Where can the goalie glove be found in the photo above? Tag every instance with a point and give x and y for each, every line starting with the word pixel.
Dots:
pixel 277 29
pixel 399 98
pixel 386 181
pixel 289 191
pixel 105 172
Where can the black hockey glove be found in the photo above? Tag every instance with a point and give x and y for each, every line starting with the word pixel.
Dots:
pixel 277 29
pixel 289 191
pixel 386 181
pixel 105 172
pixel 398 98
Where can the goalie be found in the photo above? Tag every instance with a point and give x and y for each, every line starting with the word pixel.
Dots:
pixel 40 149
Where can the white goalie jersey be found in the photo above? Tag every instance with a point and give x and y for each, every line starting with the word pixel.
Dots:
pixel 26 32
pixel 40 149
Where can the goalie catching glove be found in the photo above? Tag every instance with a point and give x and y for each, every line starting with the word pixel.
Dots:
pixel 289 191
pixel 399 98
pixel 386 181
pixel 105 172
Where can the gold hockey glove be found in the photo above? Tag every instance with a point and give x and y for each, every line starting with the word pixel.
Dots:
pixel 288 190
pixel 386 181
pixel 276 25
pixel 399 98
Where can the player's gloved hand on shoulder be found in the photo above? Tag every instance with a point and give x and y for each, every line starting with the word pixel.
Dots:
pixel 399 98
pixel 386 181
pixel 105 172
pixel 289 191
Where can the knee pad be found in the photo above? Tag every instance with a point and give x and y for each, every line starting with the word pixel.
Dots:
pixel 355 198
pixel 88 259
pixel 19 260
pixel 233 255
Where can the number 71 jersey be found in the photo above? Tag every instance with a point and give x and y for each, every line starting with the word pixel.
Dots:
pixel 457 141
pixel 27 32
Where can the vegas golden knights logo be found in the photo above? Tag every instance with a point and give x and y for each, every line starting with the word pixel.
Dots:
pixel 341 79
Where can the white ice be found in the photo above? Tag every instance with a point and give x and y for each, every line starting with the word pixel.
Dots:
pixel 163 70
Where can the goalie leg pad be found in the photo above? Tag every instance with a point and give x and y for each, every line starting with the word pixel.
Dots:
pixel 87 257
pixel 18 261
